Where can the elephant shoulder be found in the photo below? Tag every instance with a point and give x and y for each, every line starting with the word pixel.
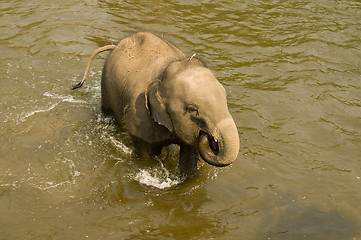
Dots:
pixel 139 123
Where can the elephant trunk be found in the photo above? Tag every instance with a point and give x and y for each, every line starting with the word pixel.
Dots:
pixel 221 147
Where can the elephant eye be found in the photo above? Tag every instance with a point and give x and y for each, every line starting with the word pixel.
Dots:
pixel 192 109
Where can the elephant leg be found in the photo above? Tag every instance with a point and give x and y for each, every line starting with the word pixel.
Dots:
pixel 189 160
pixel 146 150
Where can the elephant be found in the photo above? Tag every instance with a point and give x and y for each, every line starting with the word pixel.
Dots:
pixel 162 97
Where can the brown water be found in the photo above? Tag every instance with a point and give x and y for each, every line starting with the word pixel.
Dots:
pixel 292 70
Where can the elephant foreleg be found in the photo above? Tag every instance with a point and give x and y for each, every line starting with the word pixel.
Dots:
pixel 146 150
pixel 189 160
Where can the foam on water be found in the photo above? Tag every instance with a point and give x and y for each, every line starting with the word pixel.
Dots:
pixel 67 98
pixel 58 97
pixel 24 116
pixel 119 145
pixel 158 177
pixel 106 124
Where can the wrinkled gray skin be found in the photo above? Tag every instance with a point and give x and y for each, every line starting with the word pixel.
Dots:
pixel 163 98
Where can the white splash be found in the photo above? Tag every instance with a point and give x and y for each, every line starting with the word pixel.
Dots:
pixel 105 125
pixel 158 177
pixel 51 185
pixel 148 178
pixel 68 98
pixel 24 116
pixel 120 145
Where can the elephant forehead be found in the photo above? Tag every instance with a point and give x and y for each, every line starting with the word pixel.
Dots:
pixel 197 80
pixel 200 88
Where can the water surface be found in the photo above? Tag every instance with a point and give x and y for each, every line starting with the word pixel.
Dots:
pixel 292 74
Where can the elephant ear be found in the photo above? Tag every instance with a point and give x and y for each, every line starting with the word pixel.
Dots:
pixel 156 107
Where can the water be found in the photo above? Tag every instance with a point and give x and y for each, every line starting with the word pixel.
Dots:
pixel 292 73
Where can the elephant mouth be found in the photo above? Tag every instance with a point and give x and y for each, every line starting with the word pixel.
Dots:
pixel 209 146
pixel 213 144
pixel 222 146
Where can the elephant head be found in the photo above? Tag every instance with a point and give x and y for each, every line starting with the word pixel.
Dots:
pixel 190 102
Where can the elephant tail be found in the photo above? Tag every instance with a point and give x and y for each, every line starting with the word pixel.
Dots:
pixel 96 52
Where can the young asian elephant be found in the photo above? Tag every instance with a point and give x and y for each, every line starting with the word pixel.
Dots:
pixel 163 98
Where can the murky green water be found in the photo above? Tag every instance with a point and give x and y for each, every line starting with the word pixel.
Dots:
pixel 292 70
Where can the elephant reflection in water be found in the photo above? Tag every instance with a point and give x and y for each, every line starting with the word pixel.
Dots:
pixel 163 97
